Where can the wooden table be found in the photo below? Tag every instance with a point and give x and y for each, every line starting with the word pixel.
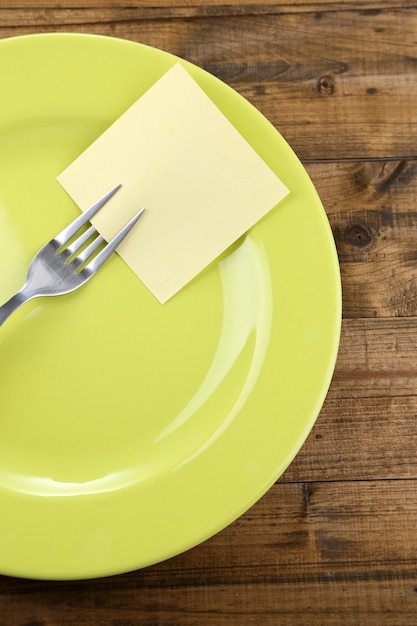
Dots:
pixel 335 540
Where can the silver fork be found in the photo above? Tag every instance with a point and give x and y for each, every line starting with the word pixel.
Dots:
pixel 62 265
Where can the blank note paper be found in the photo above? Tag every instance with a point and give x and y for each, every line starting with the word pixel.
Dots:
pixel 201 183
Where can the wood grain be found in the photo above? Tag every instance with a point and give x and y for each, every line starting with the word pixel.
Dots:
pixel 310 72
pixel 367 427
pixel 372 207
pixel 206 5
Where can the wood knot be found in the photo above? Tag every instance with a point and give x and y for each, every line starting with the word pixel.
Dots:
pixel 306 494
pixel 358 235
pixel 326 85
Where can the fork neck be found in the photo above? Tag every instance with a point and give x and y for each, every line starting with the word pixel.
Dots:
pixel 14 303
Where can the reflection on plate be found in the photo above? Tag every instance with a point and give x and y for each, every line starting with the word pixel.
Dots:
pixel 131 431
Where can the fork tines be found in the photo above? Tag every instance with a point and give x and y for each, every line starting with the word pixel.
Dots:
pixel 75 247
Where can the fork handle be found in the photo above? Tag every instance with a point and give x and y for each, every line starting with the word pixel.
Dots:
pixel 14 303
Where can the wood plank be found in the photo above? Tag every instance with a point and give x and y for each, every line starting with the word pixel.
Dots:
pixel 377 359
pixel 367 426
pixel 308 72
pixel 231 5
pixel 331 602
pixel 372 208
pixel 318 553
pixel 300 531
pixel 358 439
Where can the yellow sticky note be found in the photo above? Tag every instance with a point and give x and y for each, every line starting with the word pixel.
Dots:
pixel 201 183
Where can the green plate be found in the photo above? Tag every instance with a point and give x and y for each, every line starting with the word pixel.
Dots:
pixel 132 431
